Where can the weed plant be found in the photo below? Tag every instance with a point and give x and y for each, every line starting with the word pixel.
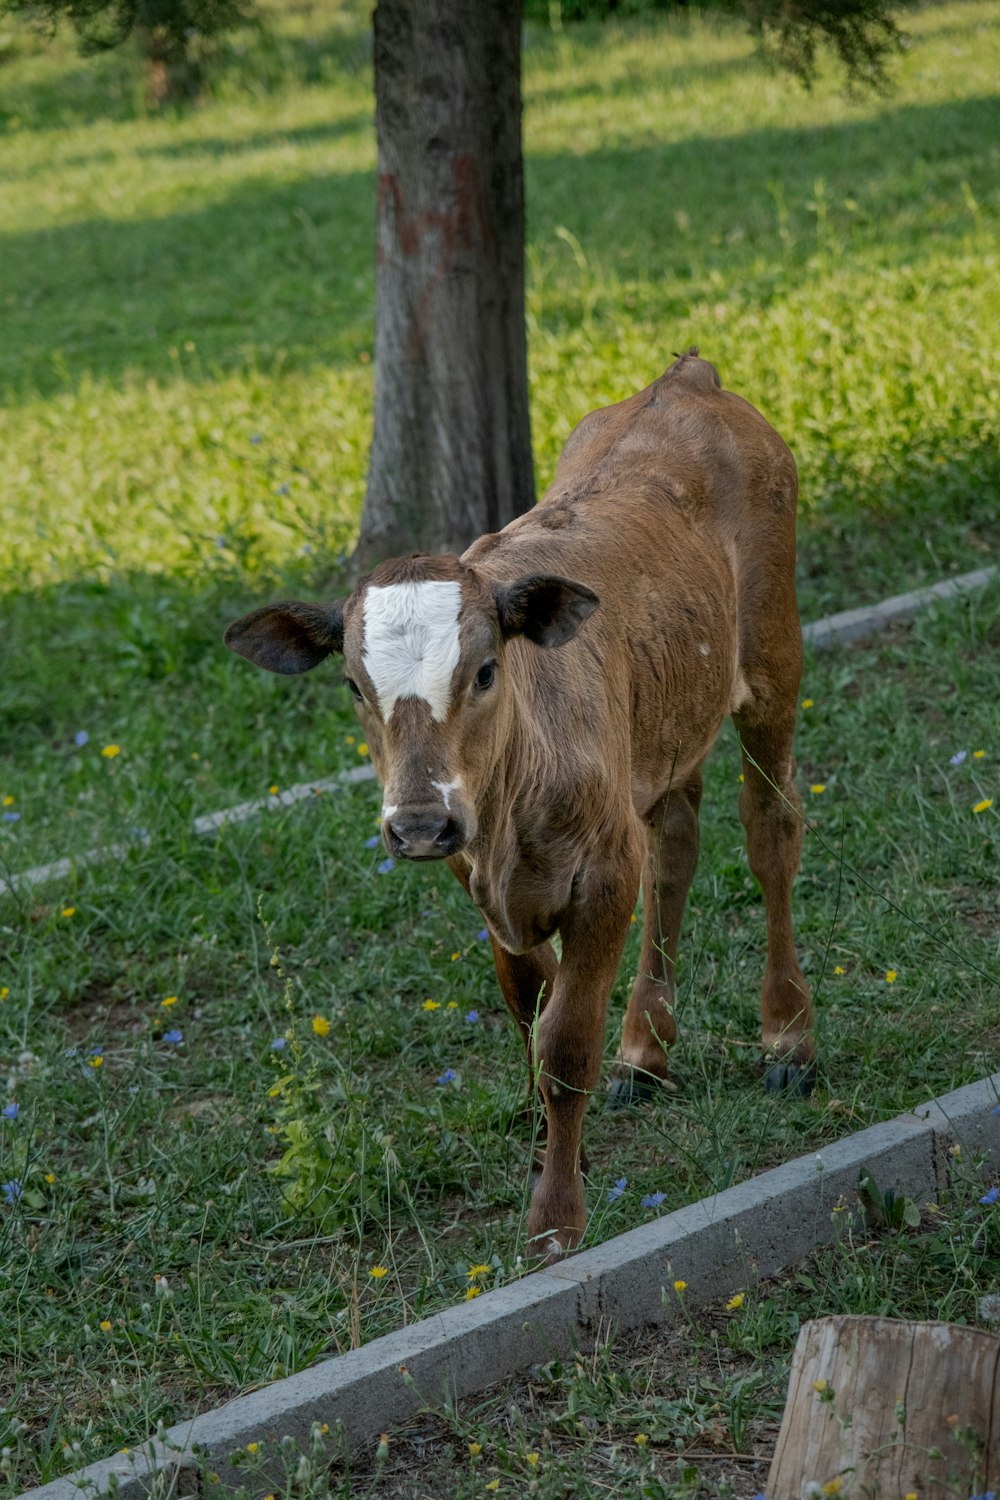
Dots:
pixel 260 1100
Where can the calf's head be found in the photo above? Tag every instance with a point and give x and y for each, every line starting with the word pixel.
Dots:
pixel 424 645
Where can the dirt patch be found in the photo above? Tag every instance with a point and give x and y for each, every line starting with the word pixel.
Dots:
pixel 666 1411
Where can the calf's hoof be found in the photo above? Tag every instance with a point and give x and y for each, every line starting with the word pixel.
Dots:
pixel 632 1086
pixel 795 1080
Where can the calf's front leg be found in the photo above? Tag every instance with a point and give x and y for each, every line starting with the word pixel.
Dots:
pixel 569 1046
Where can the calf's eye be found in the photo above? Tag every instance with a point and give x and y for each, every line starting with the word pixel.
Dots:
pixel 484 677
pixel 355 690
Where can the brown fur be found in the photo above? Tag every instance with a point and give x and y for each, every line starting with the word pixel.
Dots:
pixel 581 767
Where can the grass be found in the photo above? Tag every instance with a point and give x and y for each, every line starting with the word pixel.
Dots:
pixel 838 261
pixel 689 1410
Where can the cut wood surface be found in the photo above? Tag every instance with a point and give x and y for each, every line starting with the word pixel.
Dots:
pixel 880 1408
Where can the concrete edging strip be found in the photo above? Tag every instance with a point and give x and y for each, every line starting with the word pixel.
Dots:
pixel 849 625
pixel 717 1246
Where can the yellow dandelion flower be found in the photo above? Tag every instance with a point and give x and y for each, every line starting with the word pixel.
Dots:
pixel 978 754
pixel 807 703
pixel 105 1325
pixel 641 1439
pixel 50 1178
pixel 891 976
pixel 741 777
pixel 68 911
pixel 431 1005
pixel 472 1291
pixel 95 1062
pixel 817 788
pixel 736 1302
pixel 910 1495
pixel 533 1458
pixel 321 1025
pixel 475 1449
pixel 453 1005
pixel 4 991
pixel 986 803
pixel 273 1093
pixel 832 1486
pixel 110 751
pixel 324 1428
pixel 273 790
pixel 363 749
pixel 493 1484
pixel 819 1386
pixel 349 739
pixel 169 1000
pixel 633 918
pixel 840 969
pixel 7 802
pixel 253 1447
pixel 378 1272
pixel 680 1286
pixel 455 957
pixel 481 1270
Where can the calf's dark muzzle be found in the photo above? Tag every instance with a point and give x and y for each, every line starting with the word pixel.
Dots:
pixel 426 831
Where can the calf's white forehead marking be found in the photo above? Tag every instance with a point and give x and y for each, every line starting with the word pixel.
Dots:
pixel 411 642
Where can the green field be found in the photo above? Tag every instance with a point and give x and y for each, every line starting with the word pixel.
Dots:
pixel 186 312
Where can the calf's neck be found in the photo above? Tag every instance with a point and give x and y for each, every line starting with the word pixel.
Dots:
pixel 538 711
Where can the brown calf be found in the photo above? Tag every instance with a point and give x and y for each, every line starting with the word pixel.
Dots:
pixel 660 564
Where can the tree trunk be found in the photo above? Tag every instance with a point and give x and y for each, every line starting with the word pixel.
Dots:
pixel 451 450
pixel 882 1409
pixel 171 76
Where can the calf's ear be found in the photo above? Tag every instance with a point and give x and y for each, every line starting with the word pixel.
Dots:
pixel 288 637
pixel 547 609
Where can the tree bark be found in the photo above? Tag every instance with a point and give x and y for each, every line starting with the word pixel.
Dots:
pixel 451 449
pixel 879 1408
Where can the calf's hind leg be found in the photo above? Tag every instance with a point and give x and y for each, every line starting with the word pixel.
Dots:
pixel 771 813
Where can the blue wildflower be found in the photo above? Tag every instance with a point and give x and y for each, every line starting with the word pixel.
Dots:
pixel 10 1111
pixel 81 738
pixel 306 549
pixel 652 1200
pixel 255 438
pixel 12 817
pixel 284 488
pixel 472 1016
pixel 279 1044
pixel 988 1198
pixel 614 1193
pixel 483 934
pixel 448 1076
pixel 373 842
pixel 386 866
pixel 173 1036
pixel 996 1109
pixel 986 1495
pixel 11 1191
pixel 958 757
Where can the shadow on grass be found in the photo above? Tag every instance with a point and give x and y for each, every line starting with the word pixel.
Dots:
pixel 288 267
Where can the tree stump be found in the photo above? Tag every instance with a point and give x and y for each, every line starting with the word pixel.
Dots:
pixel 879 1409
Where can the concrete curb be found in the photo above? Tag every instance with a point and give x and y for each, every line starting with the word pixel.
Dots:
pixel 717 1246
pixel 855 624
pixel 849 625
